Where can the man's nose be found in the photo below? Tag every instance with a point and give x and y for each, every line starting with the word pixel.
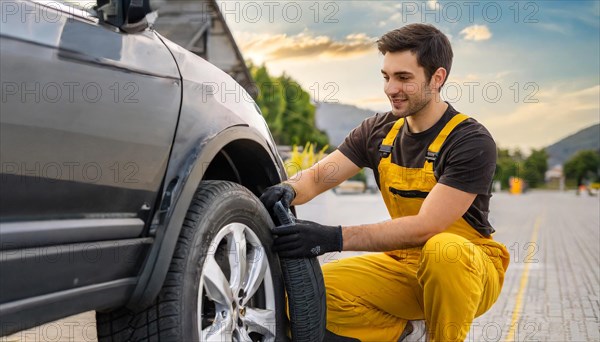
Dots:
pixel 392 88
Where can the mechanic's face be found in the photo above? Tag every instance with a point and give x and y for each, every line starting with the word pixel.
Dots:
pixel 405 83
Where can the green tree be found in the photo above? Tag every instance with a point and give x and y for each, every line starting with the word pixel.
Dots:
pixel 535 167
pixel 583 165
pixel 507 165
pixel 514 164
pixel 287 109
pixel 270 99
pixel 299 115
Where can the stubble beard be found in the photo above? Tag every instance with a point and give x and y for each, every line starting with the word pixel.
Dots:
pixel 413 108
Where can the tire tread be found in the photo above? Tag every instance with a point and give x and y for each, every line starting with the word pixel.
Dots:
pixel 126 325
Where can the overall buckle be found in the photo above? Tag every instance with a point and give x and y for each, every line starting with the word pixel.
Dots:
pixel 385 150
pixel 431 156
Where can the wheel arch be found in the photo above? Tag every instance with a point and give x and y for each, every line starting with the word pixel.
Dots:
pixel 239 154
pixel 245 162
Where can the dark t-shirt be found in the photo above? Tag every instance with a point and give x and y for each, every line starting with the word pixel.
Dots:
pixel 466 161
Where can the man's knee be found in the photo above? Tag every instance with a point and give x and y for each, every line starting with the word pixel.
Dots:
pixel 338 287
pixel 334 276
pixel 445 251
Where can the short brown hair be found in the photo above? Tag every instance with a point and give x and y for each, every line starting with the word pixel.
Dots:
pixel 431 46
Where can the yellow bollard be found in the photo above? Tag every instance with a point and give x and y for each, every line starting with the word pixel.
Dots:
pixel 515 185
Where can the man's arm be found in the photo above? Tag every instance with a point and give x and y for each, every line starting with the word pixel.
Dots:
pixel 442 207
pixel 324 175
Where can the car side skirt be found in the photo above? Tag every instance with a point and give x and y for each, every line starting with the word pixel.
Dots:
pixel 51 282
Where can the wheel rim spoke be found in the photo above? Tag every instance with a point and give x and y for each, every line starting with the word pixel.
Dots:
pixel 244 335
pixel 257 264
pixel 261 321
pixel 216 284
pixel 219 331
pixel 248 270
pixel 236 244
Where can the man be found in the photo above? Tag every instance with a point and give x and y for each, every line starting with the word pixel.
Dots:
pixel 434 168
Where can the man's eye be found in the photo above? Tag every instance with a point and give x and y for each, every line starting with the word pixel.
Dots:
pixel 404 78
pixel 386 78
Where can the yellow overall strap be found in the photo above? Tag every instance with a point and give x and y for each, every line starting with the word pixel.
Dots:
pixel 436 145
pixel 388 142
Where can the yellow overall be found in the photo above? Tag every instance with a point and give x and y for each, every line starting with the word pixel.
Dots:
pixel 456 276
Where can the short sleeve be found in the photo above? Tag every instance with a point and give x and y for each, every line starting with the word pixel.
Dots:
pixel 355 146
pixel 470 164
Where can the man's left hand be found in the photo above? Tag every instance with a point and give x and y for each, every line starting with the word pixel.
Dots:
pixel 305 239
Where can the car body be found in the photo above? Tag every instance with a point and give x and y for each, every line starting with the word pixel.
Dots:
pixel 104 138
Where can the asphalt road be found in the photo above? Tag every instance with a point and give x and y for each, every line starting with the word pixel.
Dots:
pixel 552 287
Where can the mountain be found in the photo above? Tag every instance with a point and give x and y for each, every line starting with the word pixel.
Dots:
pixel 586 139
pixel 337 120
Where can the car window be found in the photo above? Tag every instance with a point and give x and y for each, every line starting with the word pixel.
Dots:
pixel 80 8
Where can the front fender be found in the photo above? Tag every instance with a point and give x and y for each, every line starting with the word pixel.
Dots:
pixel 182 191
pixel 215 111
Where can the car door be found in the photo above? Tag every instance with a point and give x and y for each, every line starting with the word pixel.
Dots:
pixel 88 115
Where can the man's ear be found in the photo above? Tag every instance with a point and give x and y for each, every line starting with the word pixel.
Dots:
pixel 438 78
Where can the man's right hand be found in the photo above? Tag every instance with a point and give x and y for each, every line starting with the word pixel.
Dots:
pixel 281 192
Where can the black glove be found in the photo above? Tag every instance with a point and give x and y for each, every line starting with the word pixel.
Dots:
pixel 281 192
pixel 306 239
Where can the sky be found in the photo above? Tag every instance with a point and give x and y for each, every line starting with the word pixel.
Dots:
pixel 529 70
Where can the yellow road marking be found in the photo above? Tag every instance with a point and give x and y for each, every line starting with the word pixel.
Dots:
pixel 523 285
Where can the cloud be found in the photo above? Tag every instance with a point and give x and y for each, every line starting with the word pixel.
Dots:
pixel 394 19
pixel 476 33
pixel 554 115
pixel 497 76
pixel 584 15
pixel 552 27
pixel 461 78
pixel 432 4
pixel 282 46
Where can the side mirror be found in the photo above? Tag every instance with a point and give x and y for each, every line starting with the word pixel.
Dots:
pixel 128 15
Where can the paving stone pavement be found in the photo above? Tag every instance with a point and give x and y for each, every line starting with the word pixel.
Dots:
pixel 559 295
pixel 554 241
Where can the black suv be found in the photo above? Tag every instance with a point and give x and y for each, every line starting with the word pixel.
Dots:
pixel 129 176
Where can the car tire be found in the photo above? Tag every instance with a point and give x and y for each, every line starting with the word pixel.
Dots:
pixel 208 294
pixel 307 300
pixel 305 289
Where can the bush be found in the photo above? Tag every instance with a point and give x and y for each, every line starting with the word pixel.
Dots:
pixel 303 160
pixel 360 176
